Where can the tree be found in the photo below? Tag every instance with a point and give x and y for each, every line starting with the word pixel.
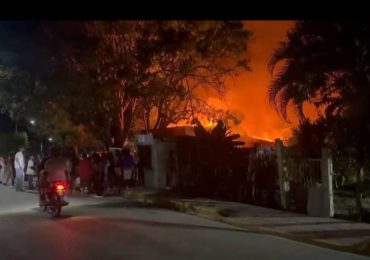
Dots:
pixel 310 138
pixel 9 143
pixel 17 81
pixel 154 67
pixel 327 64
pixel 33 79
pixel 211 114
pixel 15 88
pixel 20 75
pixel 218 158
pixel 101 73
pixel 192 55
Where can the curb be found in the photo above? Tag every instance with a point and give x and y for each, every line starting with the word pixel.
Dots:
pixel 173 204
pixel 219 214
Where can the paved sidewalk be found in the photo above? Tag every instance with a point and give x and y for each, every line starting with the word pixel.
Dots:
pixel 330 232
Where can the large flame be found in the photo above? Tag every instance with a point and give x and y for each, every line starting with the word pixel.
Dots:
pixel 247 94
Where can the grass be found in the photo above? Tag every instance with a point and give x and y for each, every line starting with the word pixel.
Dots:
pixel 345 205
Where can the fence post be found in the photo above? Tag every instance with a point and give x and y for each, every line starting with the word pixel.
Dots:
pixel 279 153
pixel 327 183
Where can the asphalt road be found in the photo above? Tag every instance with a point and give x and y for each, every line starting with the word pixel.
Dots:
pixel 114 228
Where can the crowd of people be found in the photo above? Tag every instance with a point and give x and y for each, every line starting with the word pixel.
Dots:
pixel 103 174
pixel 106 173
pixel 14 171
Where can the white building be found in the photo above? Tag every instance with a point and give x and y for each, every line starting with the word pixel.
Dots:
pixel 158 153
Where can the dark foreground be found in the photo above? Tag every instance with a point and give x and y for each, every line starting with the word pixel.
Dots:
pixel 113 228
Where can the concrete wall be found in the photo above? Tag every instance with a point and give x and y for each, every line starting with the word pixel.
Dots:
pixel 156 177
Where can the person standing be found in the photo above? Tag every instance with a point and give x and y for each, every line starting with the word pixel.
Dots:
pixel 37 161
pixel 13 171
pixel 111 176
pixel 2 169
pixel 128 164
pixel 19 169
pixel 135 170
pixel 85 171
pixel 118 184
pixel 7 179
pixel 74 175
pixel 30 172
pixel 98 174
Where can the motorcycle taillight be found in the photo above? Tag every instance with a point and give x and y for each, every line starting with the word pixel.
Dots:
pixel 59 186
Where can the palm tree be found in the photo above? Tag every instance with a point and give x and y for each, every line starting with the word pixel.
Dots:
pixel 323 63
pixel 327 64
pixel 218 155
pixel 310 137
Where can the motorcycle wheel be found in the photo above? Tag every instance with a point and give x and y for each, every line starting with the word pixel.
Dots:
pixel 56 211
pixel 57 208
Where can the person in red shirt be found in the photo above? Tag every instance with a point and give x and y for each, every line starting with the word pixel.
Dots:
pixel 85 170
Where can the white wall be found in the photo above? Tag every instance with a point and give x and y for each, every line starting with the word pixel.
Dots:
pixel 156 178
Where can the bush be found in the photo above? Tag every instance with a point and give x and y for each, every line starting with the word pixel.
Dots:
pixel 221 164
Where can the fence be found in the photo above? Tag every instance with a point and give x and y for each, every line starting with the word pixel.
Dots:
pixel 305 182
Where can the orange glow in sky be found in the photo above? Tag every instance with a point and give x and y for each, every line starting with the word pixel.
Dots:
pixel 247 94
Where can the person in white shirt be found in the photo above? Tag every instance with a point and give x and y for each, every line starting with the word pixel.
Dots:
pixel 19 169
pixel 30 172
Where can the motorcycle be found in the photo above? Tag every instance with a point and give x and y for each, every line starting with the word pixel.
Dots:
pixel 54 199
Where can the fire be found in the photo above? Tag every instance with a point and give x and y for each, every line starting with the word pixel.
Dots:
pixel 210 124
pixel 247 94
pixel 206 123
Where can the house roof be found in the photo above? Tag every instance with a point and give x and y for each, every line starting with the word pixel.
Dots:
pixel 177 131
pixel 251 142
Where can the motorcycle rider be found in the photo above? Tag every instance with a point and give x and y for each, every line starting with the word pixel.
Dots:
pixel 57 168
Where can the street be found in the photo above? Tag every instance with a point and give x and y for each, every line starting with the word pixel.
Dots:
pixel 114 228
